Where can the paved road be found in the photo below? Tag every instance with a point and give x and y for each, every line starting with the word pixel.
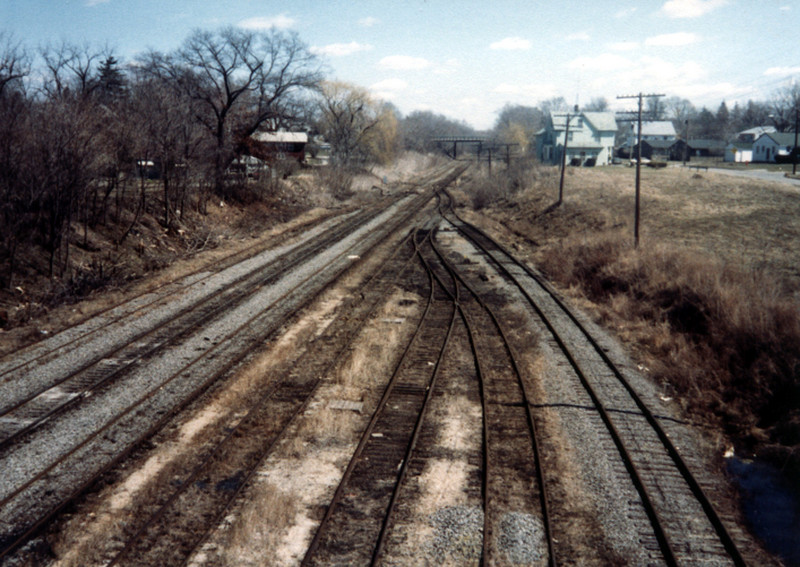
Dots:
pixel 762 174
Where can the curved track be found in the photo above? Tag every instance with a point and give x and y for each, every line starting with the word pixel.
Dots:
pixel 484 313
pixel 684 523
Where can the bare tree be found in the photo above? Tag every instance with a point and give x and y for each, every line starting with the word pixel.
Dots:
pixel 421 126
pixel 353 123
pixel 783 106
pixel 14 108
pixel 15 63
pixel 597 104
pixel 70 70
pixel 241 81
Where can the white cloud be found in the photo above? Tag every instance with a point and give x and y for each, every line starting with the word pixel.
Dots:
pixel 624 45
pixel 785 8
pixel 264 23
pixel 579 36
pixel 389 89
pixel 390 85
pixel 672 39
pixel 782 71
pixel 340 49
pixel 91 3
pixel 625 13
pixel 690 8
pixel 511 44
pixel 368 22
pixel 404 63
pixel 448 68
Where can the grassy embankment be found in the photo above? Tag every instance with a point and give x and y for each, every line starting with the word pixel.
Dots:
pixel 103 267
pixel 709 301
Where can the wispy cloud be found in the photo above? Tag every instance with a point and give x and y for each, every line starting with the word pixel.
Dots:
pixel 782 71
pixel 579 36
pixel 340 49
pixel 625 13
pixel 368 22
pixel 672 39
pixel 404 63
pixel 511 44
pixel 390 85
pixel 280 22
pixel 389 89
pixel 91 3
pixel 690 8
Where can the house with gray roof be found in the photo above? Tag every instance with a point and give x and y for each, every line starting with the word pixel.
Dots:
pixel 773 146
pixel 590 140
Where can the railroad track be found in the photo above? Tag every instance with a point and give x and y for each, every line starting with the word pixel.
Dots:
pixel 684 526
pixel 184 514
pixel 359 525
pixel 516 507
pixel 66 433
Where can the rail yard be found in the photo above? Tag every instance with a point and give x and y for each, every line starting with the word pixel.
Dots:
pixel 387 385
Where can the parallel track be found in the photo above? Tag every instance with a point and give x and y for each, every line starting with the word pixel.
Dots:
pixel 28 506
pixel 655 466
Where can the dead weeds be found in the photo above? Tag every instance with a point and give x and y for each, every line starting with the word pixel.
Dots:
pixel 709 300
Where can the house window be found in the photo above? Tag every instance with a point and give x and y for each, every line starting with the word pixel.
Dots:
pixel 580 122
pixel 569 137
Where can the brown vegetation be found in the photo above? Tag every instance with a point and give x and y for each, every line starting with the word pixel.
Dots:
pixel 708 300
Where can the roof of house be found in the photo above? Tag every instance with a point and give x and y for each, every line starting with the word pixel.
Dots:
pixel 660 144
pixel 656 128
pixel 757 131
pixel 739 145
pixel 780 138
pixel 286 137
pixel 600 121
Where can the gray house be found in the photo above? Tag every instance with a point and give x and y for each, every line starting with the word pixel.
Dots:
pixel 773 146
pixel 590 141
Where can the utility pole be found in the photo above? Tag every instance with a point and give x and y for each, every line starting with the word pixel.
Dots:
pixel 686 143
pixel 796 125
pixel 641 97
pixel 564 160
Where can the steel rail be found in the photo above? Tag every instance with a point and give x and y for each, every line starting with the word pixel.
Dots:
pixel 725 538
pixel 188 319
pixel 367 434
pixel 7 546
pixel 49 349
pixel 379 546
pixel 234 432
pixel 513 357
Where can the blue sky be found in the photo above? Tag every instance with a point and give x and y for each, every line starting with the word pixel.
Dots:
pixel 466 59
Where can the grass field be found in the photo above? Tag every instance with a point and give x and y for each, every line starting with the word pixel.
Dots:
pixel 709 300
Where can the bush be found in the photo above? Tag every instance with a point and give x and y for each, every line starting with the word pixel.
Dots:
pixel 731 339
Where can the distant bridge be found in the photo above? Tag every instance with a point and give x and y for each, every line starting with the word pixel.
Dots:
pixel 480 145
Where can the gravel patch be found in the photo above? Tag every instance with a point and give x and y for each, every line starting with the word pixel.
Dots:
pixel 457 535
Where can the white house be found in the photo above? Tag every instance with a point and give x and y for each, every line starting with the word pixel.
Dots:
pixel 751 134
pixel 739 152
pixel 652 131
pixel 590 141
pixel 772 144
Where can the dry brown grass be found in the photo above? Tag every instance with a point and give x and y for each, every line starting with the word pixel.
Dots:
pixel 252 535
pixel 709 300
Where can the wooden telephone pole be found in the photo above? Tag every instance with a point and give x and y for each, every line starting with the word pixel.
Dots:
pixel 564 159
pixel 641 97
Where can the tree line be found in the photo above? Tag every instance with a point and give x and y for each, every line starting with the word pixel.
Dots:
pixel 81 132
